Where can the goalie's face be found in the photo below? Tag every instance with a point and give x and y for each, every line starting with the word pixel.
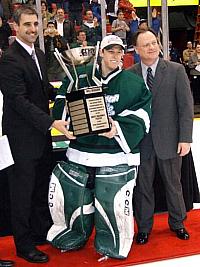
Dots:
pixel 111 58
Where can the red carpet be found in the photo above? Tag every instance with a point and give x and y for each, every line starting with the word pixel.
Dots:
pixel 162 244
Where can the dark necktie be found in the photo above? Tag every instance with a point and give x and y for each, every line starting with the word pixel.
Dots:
pixel 33 55
pixel 150 78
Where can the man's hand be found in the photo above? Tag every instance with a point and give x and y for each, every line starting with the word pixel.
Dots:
pixel 60 125
pixel 113 130
pixel 183 149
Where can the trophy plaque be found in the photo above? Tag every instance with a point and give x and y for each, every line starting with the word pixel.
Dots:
pixel 87 109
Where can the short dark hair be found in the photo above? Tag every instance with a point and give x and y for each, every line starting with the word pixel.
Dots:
pixel 44 2
pixel 78 32
pixel 85 13
pixel 24 9
pixel 119 11
pixel 50 22
pixel 138 32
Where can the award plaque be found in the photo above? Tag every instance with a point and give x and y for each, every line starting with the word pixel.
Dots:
pixel 87 110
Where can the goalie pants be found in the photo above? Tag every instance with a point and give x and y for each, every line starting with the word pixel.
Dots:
pixel 81 197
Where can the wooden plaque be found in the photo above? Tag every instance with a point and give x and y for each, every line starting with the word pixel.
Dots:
pixel 88 113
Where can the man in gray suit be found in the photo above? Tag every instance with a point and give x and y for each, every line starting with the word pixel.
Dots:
pixel 169 138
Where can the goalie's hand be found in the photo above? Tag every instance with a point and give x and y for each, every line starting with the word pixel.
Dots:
pixel 113 130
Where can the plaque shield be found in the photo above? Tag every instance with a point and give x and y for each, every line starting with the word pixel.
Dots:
pixel 88 112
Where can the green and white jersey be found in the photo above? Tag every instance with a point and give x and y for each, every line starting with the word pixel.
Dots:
pixel 128 103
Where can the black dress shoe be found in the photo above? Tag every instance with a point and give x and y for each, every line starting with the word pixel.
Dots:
pixel 6 263
pixel 34 256
pixel 181 233
pixel 142 238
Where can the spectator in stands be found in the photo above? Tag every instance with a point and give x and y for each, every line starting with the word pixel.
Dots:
pixel 174 54
pixel 46 15
pixel 1 10
pixel 64 26
pixel 5 32
pixel 134 22
pixel 80 40
pixel 52 40
pixel 133 25
pixel 92 28
pixel 7 8
pixel 194 65
pixel 75 11
pixel 119 26
pixel 111 10
pixel 187 53
pixel 186 56
pixel 155 21
pixel 143 24
pixel 96 9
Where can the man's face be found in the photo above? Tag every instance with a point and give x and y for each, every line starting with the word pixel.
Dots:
pixel 27 30
pixel 147 47
pixel 89 16
pixel 51 28
pixel 60 14
pixel 143 26
pixel 81 37
pixel 198 48
pixel 111 58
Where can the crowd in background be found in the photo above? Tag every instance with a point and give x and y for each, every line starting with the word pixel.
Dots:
pixel 78 23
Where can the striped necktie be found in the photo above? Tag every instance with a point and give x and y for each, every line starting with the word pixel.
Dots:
pixel 34 57
pixel 150 78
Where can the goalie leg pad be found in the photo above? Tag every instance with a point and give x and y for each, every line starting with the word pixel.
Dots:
pixel 71 207
pixel 114 210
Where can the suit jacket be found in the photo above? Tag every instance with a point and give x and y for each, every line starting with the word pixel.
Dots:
pixel 26 117
pixel 172 110
pixel 68 31
pixel 192 65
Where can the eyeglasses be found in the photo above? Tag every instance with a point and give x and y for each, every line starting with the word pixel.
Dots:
pixel 154 43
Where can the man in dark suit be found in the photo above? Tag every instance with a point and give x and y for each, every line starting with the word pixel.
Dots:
pixel 65 27
pixel 169 138
pixel 26 122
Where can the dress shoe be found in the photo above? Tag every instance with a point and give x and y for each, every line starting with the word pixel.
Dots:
pixel 34 256
pixel 142 238
pixel 181 233
pixel 6 263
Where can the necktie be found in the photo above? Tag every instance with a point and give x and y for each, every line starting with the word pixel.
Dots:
pixel 34 57
pixel 150 78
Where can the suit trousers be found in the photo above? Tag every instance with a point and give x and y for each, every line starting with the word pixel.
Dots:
pixel 28 185
pixel 144 201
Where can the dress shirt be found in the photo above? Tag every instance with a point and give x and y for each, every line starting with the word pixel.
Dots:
pixel 30 51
